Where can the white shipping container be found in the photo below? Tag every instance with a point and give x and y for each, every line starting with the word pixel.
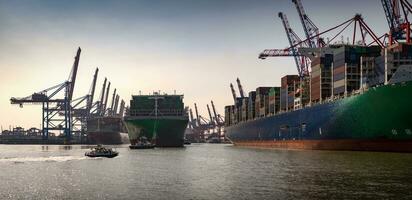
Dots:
pixel 339 83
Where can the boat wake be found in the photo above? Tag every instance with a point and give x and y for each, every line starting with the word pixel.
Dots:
pixel 18 160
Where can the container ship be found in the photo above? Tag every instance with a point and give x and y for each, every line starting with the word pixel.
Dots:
pixel 355 98
pixel 161 119
pixel 106 130
pixel 105 124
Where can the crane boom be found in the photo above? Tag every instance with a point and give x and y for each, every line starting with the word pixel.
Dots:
pixel 309 27
pixel 106 96
pixel 73 74
pixel 390 18
pixel 116 105
pixel 197 115
pixel 233 92
pixel 215 113
pixel 113 100
pixel 293 39
pixel 192 122
pixel 121 110
pixel 210 114
pixel 102 97
pixel 90 101
pixel 242 94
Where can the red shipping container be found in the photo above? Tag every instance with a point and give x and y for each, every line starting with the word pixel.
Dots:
pixel 289 80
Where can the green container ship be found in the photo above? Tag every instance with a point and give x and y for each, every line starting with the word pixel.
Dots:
pixel 161 119
pixel 355 98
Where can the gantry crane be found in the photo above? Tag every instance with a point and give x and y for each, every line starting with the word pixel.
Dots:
pixel 300 48
pixel 396 12
pixel 56 111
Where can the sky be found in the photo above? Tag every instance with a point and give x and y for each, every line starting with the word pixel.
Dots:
pixel 195 47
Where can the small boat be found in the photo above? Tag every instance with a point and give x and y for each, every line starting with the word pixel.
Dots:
pixel 142 143
pixel 101 151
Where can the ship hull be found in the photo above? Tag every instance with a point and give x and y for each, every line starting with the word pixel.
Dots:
pixel 106 130
pixel 164 131
pixel 107 138
pixel 380 119
pixel 340 144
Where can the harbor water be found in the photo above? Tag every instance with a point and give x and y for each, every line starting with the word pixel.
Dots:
pixel 202 171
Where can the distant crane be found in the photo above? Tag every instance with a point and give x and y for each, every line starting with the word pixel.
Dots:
pixel 110 111
pixel 92 91
pixel 192 122
pixel 116 105
pixel 106 96
pixel 197 116
pixel 219 120
pixel 122 108
pixel 242 94
pixel 233 92
pixel 210 115
pixel 201 128
pixel 100 104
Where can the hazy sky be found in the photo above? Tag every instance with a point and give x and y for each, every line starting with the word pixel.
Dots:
pixel 196 47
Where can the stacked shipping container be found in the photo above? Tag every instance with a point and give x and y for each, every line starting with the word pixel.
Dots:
pixel 346 67
pixel 228 115
pixel 399 54
pixel 289 84
pixel 274 100
pixel 245 109
pixel 262 101
pixel 321 83
pixel 251 104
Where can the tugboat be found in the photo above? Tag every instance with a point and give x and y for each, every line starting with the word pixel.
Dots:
pixel 101 151
pixel 142 143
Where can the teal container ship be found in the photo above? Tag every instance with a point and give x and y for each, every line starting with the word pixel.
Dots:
pixel 162 119
pixel 356 98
